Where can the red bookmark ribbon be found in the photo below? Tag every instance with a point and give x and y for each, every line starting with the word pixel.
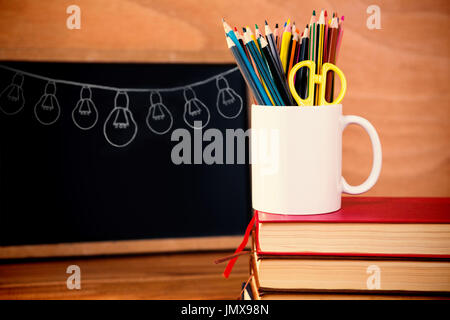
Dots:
pixel 241 247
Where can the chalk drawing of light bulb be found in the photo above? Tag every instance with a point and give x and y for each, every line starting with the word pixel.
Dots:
pixel 229 103
pixel 47 109
pixel 85 114
pixel 194 110
pixel 120 128
pixel 159 119
pixel 11 98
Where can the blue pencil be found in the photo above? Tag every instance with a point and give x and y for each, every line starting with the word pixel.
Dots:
pixel 229 32
pixel 244 71
pixel 263 70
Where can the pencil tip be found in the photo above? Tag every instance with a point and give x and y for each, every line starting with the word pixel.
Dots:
pixel 314 12
pixel 226 27
pixel 276 25
pixel 265 21
pixel 256 26
pixel 342 18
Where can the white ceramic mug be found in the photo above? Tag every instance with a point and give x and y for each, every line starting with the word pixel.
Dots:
pixel 296 156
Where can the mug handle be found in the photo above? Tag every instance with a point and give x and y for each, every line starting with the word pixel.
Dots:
pixel 376 151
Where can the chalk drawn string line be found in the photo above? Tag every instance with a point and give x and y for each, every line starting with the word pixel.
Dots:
pixel 96 86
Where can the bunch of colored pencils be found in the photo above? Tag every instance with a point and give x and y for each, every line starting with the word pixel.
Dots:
pixel 265 62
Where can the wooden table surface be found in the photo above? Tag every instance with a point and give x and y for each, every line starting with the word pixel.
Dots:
pixel 158 276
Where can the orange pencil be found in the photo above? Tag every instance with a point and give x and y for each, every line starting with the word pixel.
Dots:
pixel 294 50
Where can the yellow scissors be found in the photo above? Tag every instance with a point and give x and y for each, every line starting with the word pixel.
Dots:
pixel 320 80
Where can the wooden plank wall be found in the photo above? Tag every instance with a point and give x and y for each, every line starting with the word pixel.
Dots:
pixel 397 76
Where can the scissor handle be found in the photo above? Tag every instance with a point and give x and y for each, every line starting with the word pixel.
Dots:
pixel 314 78
pixel 309 101
pixel 331 67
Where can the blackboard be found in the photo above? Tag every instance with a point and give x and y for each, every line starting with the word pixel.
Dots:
pixel 60 183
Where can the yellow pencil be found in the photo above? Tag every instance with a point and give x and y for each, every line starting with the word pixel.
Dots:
pixel 285 42
pixel 321 39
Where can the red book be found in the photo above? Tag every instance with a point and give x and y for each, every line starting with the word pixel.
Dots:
pixel 364 226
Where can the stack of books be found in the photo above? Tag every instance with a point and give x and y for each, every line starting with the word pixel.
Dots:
pixel 373 248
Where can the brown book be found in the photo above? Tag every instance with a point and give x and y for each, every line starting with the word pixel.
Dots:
pixel 344 296
pixel 253 293
pixel 338 274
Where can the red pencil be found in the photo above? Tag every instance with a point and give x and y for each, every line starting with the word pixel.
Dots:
pixel 341 33
pixel 325 39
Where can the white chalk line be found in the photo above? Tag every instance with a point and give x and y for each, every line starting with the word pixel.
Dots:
pixel 96 86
